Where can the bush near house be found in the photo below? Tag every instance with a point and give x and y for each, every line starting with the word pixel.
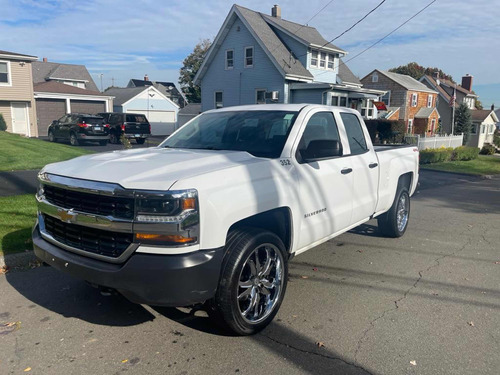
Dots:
pixel 496 138
pixel 429 156
pixel 487 149
pixel 3 125
pixel 388 131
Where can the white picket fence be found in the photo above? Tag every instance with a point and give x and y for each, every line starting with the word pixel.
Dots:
pixel 435 141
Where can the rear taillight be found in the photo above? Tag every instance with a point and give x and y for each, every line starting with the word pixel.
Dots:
pixel 106 125
pixel 123 127
pixel 82 125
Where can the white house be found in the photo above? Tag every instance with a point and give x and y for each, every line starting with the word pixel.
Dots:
pixel 160 111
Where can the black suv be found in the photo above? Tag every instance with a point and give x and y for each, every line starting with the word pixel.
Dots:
pixel 78 127
pixel 131 125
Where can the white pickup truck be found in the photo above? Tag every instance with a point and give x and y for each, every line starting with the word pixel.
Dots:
pixel 215 213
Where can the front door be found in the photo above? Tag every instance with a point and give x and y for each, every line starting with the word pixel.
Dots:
pixel 20 121
pixel 325 185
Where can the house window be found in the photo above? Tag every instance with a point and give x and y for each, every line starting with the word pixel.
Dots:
pixel 331 60
pixel 473 129
pixel 374 77
pixel 410 126
pixel 335 101
pixel 248 57
pixel 367 108
pixel 322 60
pixel 218 100
pixel 483 129
pixel 414 99
pixel 314 57
pixel 260 96
pixel 4 73
pixel 229 59
pixel 343 101
pixel 386 98
pixel 429 101
pixel 492 129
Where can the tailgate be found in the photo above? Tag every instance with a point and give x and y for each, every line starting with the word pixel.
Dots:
pixel 137 128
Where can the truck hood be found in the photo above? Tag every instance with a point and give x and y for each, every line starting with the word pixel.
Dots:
pixel 150 168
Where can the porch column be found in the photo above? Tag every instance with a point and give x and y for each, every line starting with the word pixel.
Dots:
pixel 68 105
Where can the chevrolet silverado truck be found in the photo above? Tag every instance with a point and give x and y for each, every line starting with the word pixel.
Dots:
pixel 214 213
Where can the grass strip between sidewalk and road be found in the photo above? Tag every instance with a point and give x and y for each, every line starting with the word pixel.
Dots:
pixel 19 152
pixel 484 165
pixel 17 216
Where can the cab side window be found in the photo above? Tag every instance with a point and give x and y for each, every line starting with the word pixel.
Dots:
pixel 355 135
pixel 320 138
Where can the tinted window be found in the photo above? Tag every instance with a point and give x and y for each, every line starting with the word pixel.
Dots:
pixel 321 126
pixel 355 135
pixel 115 118
pixel 136 118
pixel 260 133
pixel 93 120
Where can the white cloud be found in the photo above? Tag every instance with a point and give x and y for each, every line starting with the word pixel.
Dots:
pixel 127 39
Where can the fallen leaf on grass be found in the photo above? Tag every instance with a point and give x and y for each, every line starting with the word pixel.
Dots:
pixel 304 277
pixel 4 269
pixel 125 361
pixel 315 269
pixel 320 344
pixel 497 262
pixel 413 363
pixel 27 369
pixel 471 323
pixel 360 251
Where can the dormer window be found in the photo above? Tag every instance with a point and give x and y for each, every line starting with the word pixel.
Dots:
pixel 314 58
pixel 374 77
pixel 229 59
pixel 322 60
pixel 331 60
pixel 429 101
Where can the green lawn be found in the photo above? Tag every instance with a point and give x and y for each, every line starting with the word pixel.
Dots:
pixel 482 166
pixel 18 152
pixel 17 216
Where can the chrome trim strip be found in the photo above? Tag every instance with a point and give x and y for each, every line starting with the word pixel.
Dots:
pixel 84 219
pixel 85 186
pixel 122 258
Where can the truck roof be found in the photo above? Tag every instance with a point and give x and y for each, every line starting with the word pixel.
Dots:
pixel 276 107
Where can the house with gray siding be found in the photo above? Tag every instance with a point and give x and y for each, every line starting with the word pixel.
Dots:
pixel 258 58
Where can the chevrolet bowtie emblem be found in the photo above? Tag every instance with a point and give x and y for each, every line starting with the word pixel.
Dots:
pixel 68 216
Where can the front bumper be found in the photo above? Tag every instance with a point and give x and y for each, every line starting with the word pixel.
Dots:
pixel 161 280
pixel 127 135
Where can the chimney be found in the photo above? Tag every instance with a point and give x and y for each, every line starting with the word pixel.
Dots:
pixel 45 59
pixel 435 75
pixel 276 11
pixel 146 78
pixel 467 82
pixel 493 107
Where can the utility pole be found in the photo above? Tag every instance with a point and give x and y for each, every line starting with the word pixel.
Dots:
pixel 101 80
pixel 112 81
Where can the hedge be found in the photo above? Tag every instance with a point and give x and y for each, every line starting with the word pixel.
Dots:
pixel 438 155
pixel 3 125
pixel 487 149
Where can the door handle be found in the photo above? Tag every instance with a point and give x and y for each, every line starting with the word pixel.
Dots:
pixel 346 170
pixel 373 165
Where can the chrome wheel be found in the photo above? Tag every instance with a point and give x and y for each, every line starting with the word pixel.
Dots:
pixel 260 283
pixel 402 212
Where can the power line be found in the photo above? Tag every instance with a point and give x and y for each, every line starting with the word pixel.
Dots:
pixel 384 37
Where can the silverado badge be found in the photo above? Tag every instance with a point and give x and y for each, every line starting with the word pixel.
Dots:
pixel 68 216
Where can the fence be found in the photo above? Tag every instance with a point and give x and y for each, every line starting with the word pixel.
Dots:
pixel 435 141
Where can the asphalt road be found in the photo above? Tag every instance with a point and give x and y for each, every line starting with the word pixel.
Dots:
pixel 376 304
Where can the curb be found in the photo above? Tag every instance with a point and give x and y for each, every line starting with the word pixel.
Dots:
pixel 19 260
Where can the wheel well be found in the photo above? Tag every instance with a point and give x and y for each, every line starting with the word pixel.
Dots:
pixel 278 221
pixel 405 180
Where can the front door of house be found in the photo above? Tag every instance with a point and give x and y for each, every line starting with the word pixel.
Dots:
pixel 20 118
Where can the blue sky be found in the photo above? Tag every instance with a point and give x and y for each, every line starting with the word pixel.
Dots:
pixel 127 39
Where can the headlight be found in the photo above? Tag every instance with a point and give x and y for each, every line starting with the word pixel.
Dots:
pixel 167 218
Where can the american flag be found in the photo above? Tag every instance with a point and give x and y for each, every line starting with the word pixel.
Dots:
pixel 453 98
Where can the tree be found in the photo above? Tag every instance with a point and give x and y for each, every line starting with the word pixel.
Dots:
pixel 417 71
pixel 3 125
pixel 463 121
pixel 191 65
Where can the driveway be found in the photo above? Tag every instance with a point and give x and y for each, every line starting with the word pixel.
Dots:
pixel 427 303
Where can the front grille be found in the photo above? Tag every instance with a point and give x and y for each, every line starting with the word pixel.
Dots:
pixel 96 241
pixel 118 207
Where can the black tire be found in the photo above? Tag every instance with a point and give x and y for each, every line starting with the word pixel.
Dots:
pixel 51 136
pixel 103 143
pixel 73 140
pixel 389 224
pixel 245 247
pixel 140 141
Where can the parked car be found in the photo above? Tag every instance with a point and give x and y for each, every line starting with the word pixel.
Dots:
pixel 77 128
pixel 131 125
pixel 218 209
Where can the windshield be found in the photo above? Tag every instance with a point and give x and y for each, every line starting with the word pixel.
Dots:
pixel 260 133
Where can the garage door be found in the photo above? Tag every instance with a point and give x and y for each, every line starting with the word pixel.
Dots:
pixel 48 110
pixel 162 122
pixel 87 106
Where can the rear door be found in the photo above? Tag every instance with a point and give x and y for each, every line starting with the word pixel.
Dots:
pixel 136 124
pixel 325 186
pixel 364 166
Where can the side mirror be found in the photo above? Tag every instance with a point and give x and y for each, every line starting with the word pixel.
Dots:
pixel 321 149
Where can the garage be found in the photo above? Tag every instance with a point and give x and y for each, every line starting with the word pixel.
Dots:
pixel 162 122
pixel 48 110
pixel 86 106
